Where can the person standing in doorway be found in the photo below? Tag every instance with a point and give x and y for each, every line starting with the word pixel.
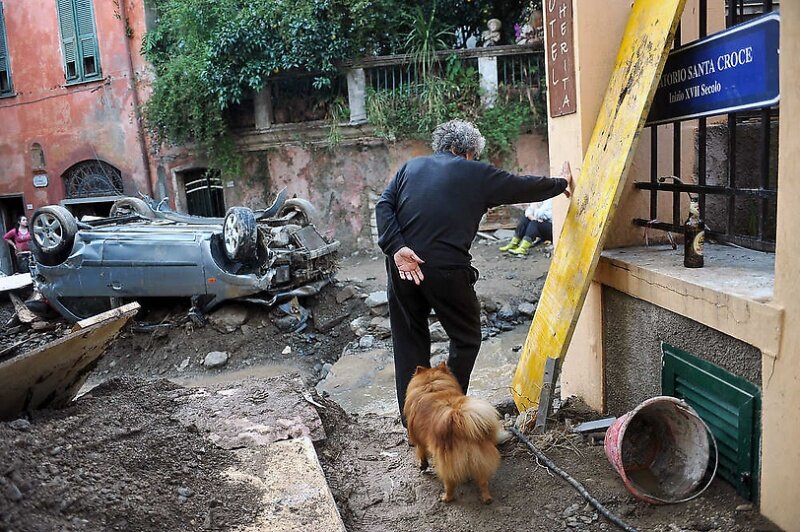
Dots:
pixel 427 218
pixel 18 239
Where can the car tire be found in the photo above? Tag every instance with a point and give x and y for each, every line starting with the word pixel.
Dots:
pixel 240 234
pixel 125 206
pixel 304 212
pixel 53 230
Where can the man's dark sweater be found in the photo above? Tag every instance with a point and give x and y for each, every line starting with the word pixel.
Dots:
pixel 434 205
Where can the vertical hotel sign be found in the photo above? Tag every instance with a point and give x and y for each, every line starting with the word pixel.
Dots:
pixel 560 57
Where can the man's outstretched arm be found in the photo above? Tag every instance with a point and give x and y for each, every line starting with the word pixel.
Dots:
pixel 504 188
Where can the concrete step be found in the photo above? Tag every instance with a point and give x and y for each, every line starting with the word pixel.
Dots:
pixel 294 493
pixel 270 425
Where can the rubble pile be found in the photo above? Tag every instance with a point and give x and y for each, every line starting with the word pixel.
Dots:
pixel 496 317
pixel 117 459
pixel 19 335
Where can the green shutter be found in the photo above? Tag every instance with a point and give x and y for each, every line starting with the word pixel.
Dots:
pixel 6 87
pixel 90 64
pixel 79 40
pixel 3 53
pixel 66 19
pixel 730 406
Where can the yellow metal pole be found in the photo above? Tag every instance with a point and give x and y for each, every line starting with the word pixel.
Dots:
pixel 645 44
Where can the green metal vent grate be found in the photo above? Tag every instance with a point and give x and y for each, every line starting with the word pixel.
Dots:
pixel 730 405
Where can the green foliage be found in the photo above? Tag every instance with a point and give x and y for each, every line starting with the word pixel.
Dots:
pixel 338 112
pixel 397 117
pixel 453 91
pixel 209 54
pixel 501 125
pixel 468 17
pixel 425 38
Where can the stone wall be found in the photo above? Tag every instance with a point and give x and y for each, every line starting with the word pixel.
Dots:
pixel 632 334
pixel 345 184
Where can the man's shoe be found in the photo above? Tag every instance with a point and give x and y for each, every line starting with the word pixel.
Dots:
pixel 522 249
pixel 511 245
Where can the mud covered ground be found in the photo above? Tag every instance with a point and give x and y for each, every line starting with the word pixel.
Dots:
pixel 117 459
pixel 378 487
pixel 165 344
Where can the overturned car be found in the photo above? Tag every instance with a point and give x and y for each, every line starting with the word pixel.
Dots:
pixel 143 249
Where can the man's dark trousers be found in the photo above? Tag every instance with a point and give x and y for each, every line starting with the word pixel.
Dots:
pixel 450 293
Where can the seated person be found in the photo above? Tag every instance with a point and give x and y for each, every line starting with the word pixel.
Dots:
pixel 535 226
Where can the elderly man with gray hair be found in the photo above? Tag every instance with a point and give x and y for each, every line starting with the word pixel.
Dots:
pixel 428 217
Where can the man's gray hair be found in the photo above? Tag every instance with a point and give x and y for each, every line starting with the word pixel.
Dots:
pixel 458 136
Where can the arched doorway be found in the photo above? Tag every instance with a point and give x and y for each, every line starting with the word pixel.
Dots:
pixel 91 187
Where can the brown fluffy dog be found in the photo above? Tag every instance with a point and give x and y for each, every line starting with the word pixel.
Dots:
pixel 457 431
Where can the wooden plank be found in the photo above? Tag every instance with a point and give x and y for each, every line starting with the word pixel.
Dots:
pixel 24 315
pixel 125 310
pixel 647 39
pixel 51 375
pixel 14 282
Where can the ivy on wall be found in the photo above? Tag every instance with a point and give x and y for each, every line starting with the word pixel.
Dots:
pixel 211 54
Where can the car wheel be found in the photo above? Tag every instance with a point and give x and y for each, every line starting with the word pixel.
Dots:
pixel 239 234
pixel 53 231
pixel 126 206
pixel 303 212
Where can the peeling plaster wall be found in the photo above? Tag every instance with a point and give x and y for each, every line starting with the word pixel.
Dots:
pixel 72 123
pixel 99 120
pixel 632 334
pixel 343 184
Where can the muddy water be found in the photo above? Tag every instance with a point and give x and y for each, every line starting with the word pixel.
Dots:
pixel 363 382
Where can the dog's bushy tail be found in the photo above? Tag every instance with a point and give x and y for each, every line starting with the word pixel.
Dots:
pixel 477 418
pixel 465 441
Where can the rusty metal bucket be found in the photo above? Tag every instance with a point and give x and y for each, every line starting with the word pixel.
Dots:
pixel 661 449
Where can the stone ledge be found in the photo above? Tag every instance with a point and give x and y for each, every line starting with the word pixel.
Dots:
pixel 731 294
pixel 295 496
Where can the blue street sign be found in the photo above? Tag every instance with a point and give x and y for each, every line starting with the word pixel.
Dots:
pixel 733 70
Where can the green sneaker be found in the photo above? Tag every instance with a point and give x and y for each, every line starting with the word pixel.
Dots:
pixel 522 249
pixel 511 245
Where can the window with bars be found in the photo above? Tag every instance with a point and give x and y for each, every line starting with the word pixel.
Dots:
pixel 89 179
pixel 6 87
pixel 735 161
pixel 79 40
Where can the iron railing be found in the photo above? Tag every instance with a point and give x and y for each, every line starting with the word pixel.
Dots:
pixel 745 205
pixel 516 66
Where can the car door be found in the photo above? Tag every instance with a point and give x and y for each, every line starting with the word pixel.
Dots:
pixel 150 261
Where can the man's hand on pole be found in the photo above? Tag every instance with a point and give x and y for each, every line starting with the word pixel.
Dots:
pixel 566 173
pixel 407 263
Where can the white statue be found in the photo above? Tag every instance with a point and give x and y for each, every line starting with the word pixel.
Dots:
pixel 491 36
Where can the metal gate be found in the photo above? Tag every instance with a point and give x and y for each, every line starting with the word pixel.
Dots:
pixel 204 195
pixel 738 201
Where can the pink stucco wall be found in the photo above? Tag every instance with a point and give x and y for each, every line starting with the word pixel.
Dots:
pixel 99 120
pixel 94 120
pixel 343 185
